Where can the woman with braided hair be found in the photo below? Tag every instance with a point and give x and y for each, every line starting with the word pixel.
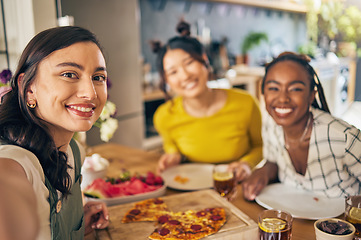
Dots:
pixel 303 144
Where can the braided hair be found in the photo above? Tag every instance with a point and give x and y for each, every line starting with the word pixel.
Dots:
pixel 303 60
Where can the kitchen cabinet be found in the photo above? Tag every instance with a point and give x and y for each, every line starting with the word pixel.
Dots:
pixel 116 24
pixel 282 5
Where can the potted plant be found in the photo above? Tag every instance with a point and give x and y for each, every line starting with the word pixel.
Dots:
pixel 342 25
pixel 252 40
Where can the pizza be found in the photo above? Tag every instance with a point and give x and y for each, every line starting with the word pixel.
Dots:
pixel 190 224
pixel 147 210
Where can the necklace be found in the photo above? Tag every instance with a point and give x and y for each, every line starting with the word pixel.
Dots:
pixel 302 138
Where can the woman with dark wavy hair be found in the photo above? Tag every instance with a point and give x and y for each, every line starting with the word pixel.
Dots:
pixel 304 145
pixel 59 88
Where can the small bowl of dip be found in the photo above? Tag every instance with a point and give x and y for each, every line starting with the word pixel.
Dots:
pixel 334 229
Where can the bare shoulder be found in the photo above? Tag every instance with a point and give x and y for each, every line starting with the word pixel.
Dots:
pixel 9 166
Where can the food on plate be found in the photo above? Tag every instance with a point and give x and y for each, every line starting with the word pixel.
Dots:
pixel 176 225
pixel 124 185
pixel 180 179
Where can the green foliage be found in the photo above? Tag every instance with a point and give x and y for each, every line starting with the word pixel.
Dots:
pixel 340 23
pixel 311 21
pixel 330 12
pixel 349 24
pixel 253 39
pixel 309 49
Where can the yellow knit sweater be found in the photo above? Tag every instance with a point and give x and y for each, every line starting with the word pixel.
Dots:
pixel 233 133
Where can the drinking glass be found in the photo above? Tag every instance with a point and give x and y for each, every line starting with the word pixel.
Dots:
pixel 224 181
pixel 353 213
pixel 275 224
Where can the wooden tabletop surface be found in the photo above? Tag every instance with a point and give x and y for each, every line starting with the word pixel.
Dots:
pixel 137 160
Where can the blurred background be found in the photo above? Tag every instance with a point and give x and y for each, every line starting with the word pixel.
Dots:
pixel 240 36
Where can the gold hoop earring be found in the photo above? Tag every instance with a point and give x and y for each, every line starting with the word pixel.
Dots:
pixel 33 105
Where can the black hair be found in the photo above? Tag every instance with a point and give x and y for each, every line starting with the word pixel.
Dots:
pixel 188 44
pixel 18 123
pixel 315 83
pixel 183 28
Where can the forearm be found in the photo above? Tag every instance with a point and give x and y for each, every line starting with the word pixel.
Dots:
pixel 271 171
pixel 18 215
pixel 253 157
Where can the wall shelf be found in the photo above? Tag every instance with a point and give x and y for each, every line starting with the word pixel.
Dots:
pixel 281 5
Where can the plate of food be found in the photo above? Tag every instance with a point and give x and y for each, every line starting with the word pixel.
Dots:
pixel 125 188
pixel 189 177
pixel 300 203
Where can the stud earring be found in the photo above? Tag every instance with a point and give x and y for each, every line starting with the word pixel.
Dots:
pixel 31 105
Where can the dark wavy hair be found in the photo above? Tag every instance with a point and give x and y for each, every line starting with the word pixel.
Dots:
pixel 188 44
pixel 18 124
pixel 303 60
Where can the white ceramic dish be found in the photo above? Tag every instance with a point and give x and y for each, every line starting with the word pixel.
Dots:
pixel 321 235
pixel 199 176
pixel 131 198
pixel 300 203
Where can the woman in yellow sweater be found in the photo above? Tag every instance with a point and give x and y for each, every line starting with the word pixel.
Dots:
pixel 202 124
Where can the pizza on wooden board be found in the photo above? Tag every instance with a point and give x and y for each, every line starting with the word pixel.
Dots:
pixel 147 210
pixel 190 224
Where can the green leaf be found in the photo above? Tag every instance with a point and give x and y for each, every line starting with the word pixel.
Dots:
pixel 253 39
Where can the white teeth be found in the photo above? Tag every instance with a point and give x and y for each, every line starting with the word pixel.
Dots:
pixel 189 85
pixel 283 110
pixel 81 109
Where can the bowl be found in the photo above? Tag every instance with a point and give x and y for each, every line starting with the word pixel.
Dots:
pixel 321 235
pixel 90 175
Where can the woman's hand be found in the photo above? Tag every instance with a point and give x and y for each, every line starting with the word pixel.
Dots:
pixel 260 177
pixel 168 160
pixel 95 216
pixel 242 170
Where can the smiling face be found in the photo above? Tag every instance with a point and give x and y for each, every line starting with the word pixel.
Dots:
pixel 70 88
pixel 287 93
pixel 186 76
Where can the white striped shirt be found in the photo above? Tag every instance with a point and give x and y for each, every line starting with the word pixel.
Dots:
pixel 334 157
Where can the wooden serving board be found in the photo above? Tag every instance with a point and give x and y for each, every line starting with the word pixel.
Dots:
pixel 238 226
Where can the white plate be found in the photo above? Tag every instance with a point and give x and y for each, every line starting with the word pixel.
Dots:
pixel 131 198
pixel 300 203
pixel 198 174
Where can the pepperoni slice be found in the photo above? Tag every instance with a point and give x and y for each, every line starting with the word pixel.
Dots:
pixel 216 217
pixel 135 211
pixel 201 214
pixel 163 219
pixel 174 222
pixel 158 201
pixel 163 231
pixel 196 227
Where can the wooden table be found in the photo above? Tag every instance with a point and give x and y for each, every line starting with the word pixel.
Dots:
pixel 137 160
